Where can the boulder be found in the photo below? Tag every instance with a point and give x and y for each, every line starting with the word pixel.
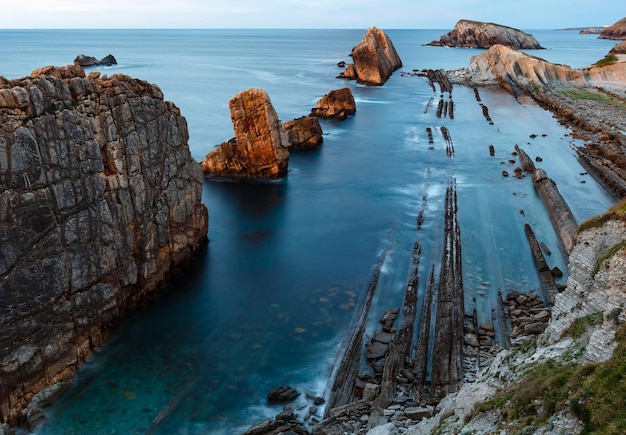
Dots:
pixel 304 133
pixel 260 146
pixel 336 104
pixel 417 412
pixel 374 58
pixel 616 31
pixel 83 60
pixel 477 34
pixel 282 394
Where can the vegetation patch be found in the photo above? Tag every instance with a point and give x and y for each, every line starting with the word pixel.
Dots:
pixel 591 94
pixel 608 60
pixel 607 255
pixel 578 328
pixel 617 212
pixel 594 393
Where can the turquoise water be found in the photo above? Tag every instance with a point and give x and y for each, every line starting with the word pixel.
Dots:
pixel 288 262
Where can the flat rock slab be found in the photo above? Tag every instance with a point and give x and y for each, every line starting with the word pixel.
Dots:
pixel 376 350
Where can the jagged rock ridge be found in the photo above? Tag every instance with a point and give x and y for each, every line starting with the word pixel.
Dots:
pixel 100 200
pixel 476 34
pixel 375 59
pixel 259 148
pixel 616 31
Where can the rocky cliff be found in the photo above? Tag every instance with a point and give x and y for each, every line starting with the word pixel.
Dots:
pixel 616 31
pixel 375 59
pixel 100 200
pixel 517 71
pixel 260 146
pixel 476 34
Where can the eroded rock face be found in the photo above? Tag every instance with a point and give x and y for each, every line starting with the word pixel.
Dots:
pixel 619 48
pixel 476 34
pixel 259 148
pixel 375 58
pixel 304 133
pixel 616 31
pixel 336 104
pixel 595 283
pixel 100 200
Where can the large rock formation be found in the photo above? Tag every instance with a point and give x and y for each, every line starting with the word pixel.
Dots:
pixel 100 200
pixel 476 34
pixel 616 31
pixel 259 148
pixel 336 104
pixel 516 71
pixel 375 58
pixel 619 48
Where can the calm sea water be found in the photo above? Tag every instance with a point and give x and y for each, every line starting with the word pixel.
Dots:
pixel 288 263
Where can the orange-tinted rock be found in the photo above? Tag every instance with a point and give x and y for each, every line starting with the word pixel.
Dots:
pixel 337 104
pixel 259 148
pixel 304 133
pixel 375 58
pixel 619 48
pixel 476 34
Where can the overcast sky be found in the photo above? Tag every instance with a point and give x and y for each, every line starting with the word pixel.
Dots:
pixel 385 14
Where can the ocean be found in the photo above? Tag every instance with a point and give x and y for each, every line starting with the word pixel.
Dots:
pixel 272 298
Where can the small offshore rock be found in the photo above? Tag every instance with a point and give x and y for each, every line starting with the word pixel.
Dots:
pixel 282 394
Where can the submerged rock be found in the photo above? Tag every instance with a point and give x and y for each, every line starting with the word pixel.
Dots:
pixel 83 60
pixel 100 200
pixel 259 148
pixel 476 34
pixel 375 58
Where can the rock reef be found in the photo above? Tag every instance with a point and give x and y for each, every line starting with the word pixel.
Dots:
pixel 260 146
pixel 374 59
pixel 100 201
pixel 476 34
pixel 83 60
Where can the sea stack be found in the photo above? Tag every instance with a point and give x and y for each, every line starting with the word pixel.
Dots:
pixel 476 34
pixel 375 59
pixel 336 104
pixel 100 201
pixel 259 149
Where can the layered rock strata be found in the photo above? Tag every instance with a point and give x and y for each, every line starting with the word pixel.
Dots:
pixel 260 146
pixel 616 31
pixel 374 59
pixel 100 200
pixel 336 104
pixel 476 34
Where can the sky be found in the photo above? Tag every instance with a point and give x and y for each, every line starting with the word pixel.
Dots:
pixel 385 14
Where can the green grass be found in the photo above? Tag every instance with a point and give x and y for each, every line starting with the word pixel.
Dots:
pixel 607 256
pixel 595 393
pixel 617 212
pixel 578 328
pixel 591 94
pixel 608 60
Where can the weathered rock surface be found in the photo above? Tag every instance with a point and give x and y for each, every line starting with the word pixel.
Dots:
pixel 516 71
pixel 476 34
pixel 375 58
pixel 100 200
pixel 619 48
pixel 304 133
pixel 83 60
pixel 259 148
pixel 616 31
pixel 336 104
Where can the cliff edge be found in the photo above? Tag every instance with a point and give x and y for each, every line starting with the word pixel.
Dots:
pixel 100 200
pixel 477 34
pixel 616 31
